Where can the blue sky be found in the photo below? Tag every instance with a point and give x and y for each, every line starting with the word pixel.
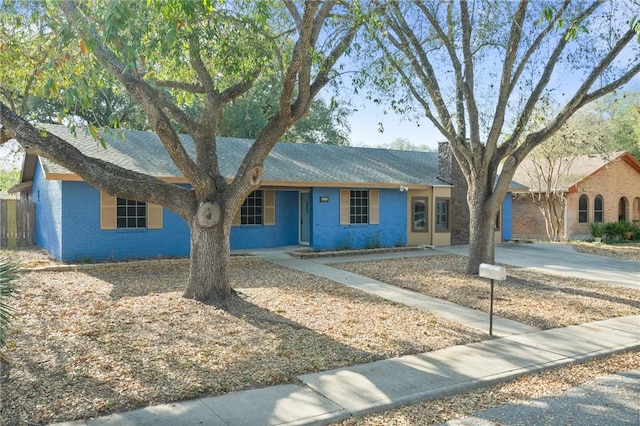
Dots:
pixel 365 127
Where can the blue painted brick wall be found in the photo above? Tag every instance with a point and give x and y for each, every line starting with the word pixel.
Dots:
pixel 83 238
pixel 47 196
pixel 507 211
pixel 283 233
pixel 328 234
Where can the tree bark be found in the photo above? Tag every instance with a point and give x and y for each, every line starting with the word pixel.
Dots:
pixel 481 228
pixel 208 275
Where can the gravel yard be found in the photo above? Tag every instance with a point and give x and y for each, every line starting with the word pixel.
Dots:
pixel 533 298
pixel 103 340
pixel 626 251
pixel 89 343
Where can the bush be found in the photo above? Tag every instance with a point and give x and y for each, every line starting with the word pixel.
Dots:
pixel 615 231
pixel 596 229
pixel 7 288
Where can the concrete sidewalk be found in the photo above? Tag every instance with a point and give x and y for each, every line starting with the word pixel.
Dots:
pixel 334 395
pixel 469 317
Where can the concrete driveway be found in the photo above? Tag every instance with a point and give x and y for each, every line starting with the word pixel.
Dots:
pixel 562 259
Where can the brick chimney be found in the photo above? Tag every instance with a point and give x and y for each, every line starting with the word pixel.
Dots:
pixel 450 172
pixel 445 160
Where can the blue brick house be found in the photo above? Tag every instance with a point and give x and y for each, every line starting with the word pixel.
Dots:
pixel 320 196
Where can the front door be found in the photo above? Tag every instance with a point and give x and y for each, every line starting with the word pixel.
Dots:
pixel 304 218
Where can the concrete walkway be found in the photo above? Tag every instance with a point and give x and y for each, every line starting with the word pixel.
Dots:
pixel 469 317
pixel 334 395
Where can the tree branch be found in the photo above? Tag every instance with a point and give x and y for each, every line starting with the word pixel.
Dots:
pixel 153 102
pixel 105 176
pixel 180 85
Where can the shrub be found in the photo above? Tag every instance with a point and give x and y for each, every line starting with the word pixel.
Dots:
pixel 614 231
pixel 7 288
pixel 596 229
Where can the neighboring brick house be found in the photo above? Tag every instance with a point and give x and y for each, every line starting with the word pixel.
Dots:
pixel 597 188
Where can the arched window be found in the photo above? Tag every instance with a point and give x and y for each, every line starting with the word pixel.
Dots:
pixel 636 209
pixel 583 209
pixel 623 212
pixel 598 209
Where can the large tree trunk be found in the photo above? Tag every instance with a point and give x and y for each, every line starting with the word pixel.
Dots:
pixel 481 229
pixel 208 276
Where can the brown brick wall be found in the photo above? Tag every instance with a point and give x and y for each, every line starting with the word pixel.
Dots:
pixel 527 219
pixel 616 180
pixel 613 182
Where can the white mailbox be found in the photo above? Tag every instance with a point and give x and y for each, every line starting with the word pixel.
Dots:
pixel 492 271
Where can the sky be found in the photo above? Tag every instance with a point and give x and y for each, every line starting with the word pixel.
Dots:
pixel 365 128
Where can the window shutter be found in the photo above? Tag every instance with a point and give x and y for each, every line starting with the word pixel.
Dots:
pixel 345 206
pixel 154 216
pixel 374 210
pixel 269 200
pixel 107 211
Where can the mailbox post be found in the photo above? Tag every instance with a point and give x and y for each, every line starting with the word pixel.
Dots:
pixel 492 272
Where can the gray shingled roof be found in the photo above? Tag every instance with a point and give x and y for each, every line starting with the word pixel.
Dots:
pixel 288 162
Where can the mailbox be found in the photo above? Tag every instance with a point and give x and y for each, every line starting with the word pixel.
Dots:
pixel 492 271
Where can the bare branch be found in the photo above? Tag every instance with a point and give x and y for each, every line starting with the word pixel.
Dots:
pixel 469 84
pixel 420 63
pixel 581 97
pixel 511 53
pixel 544 81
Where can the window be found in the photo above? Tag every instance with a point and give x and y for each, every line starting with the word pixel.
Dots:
pixel 623 205
pixel 419 215
pixel 442 214
pixel 583 206
pixel 251 210
pixel 598 209
pixel 259 208
pixel 131 213
pixel 119 213
pixel 498 221
pixel 359 206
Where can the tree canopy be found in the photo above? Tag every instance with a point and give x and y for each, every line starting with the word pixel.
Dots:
pixel 478 69
pixel 174 57
pixel 247 115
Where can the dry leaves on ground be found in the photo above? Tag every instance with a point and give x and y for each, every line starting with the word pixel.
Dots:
pixel 89 343
pixel 540 300
pixel 625 251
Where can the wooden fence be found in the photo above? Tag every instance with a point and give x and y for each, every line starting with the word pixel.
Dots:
pixel 17 223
